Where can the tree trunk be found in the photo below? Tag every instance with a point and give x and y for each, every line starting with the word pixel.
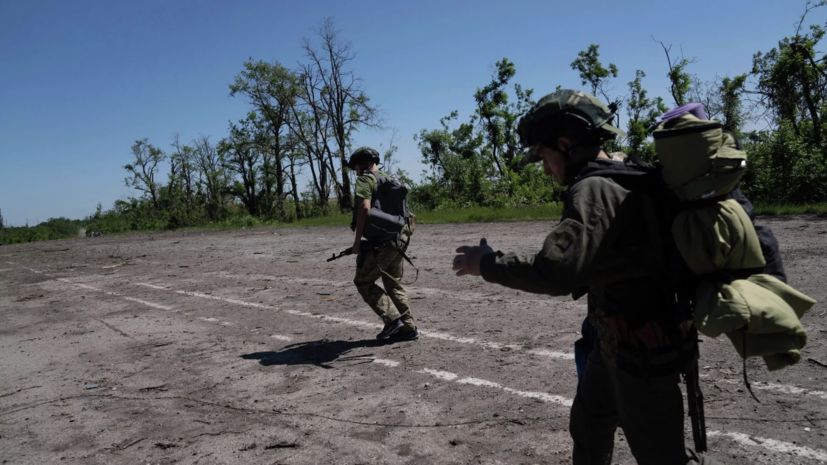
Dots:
pixel 811 106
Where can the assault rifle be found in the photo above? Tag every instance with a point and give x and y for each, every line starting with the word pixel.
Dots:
pixel 695 398
pixel 363 247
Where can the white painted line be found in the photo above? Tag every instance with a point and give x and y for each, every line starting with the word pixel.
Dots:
pixel 296 312
pixel 413 290
pixel 541 396
pixel 773 445
pixel 87 287
pixel 783 388
pixel 787 389
pixel 745 439
pixel 208 296
pixel 225 299
pixel 148 304
pixel 545 397
pixel 552 354
pixel 115 294
pixel 281 338
pixel 365 324
pixel 3 270
pixel 336 319
pixel 480 382
pixel 160 288
pixel 346 321
pixel 444 375
pixel 741 438
pixel 390 363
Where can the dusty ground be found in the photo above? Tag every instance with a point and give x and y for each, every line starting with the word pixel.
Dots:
pixel 247 347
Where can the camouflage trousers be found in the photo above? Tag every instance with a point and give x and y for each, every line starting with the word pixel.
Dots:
pixel 391 302
pixel 650 411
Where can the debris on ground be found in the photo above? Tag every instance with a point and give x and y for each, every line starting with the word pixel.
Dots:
pixel 281 445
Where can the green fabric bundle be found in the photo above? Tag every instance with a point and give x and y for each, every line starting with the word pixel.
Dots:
pixel 760 315
pixel 718 237
pixel 699 159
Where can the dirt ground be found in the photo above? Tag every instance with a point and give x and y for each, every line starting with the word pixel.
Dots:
pixel 248 347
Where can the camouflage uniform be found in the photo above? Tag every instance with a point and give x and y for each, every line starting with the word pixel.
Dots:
pixel 392 302
pixel 602 246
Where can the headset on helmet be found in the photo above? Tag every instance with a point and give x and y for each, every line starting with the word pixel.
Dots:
pixel 363 157
pixel 532 131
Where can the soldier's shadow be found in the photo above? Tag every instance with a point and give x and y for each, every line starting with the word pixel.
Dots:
pixel 321 353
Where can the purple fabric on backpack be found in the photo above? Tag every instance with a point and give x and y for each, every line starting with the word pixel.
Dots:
pixel 696 109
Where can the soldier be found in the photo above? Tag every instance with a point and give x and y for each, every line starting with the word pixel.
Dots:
pixel 379 259
pixel 601 247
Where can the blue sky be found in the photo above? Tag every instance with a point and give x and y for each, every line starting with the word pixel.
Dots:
pixel 80 81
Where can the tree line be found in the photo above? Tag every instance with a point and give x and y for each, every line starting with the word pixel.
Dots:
pixel 53 228
pixel 286 159
pixel 775 108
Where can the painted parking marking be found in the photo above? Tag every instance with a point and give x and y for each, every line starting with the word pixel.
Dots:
pixel 424 333
pixel 740 438
pixel 772 444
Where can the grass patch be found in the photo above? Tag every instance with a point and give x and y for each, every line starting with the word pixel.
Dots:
pixel 467 215
pixel 780 210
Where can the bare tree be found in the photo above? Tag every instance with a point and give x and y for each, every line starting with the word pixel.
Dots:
pixel 388 157
pixel 184 158
pixel 343 96
pixel 214 176
pixel 297 158
pixel 679 79
pixel 310 126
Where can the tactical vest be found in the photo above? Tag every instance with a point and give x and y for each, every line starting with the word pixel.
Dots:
pixel 389 212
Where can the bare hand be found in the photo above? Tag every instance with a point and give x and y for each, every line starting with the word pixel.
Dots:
pixel 356 248
pixel 468 262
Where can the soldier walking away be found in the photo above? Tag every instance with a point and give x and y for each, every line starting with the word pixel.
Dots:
pixel 607 246
pixel 382 226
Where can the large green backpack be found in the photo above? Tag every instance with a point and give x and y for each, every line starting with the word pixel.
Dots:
pixel 701 164
pixel 698 158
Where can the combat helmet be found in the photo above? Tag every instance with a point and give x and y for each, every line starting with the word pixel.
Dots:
pixel 578 113
pixel 363 157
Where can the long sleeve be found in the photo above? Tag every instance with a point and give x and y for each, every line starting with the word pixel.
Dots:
pixel 570 251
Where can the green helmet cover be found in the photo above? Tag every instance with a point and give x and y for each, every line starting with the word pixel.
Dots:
pixel 565 107
pixel 362 155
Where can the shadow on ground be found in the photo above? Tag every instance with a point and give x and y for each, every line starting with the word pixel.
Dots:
pixel 320 353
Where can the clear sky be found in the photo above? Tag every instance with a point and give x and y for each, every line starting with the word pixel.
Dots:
pixel 81 80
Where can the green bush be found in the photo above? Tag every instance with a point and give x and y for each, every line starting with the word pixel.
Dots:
pixel 54 228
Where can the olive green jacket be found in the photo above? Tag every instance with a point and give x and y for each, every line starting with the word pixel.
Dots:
pixel 601 246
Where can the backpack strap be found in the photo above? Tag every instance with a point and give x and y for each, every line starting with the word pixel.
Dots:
pixel 401 251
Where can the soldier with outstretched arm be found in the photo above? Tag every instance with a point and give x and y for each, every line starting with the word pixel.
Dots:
pixel 631 378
